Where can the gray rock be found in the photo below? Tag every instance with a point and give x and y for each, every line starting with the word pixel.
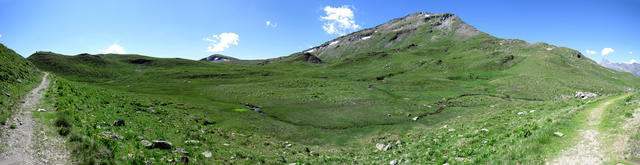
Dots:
pixel 313 153
pixel 161 144
pixel 112 135
pixel 206 154
pixel 184 159
pixel 560 134
pixel 180 150
pixel 380 146
pixel 146 143
pixel 393 162
pixel 388 147
pixel 191 141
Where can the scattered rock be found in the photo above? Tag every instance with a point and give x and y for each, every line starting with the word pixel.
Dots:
pixel 41 110
pixel 522 113
pixel 485 129
pixel 532 111
pixel 585 95
pixel 180 150
pixel 19 81
pixel 380 146
pixel 452 129
pixel 393 162
pixel 206 154
pixel 119 122
pixel 161 144
pixel 313 153
pixel 192 141
pixel 112 135
pixel 226 144
pixel 7 94
pixel 288 145
pixel 415 118
pixel 387 147
pixel 146 143
pixel 558 134
pixel 388 115
pixel 399 143
pixel 334 150
pixel 459 159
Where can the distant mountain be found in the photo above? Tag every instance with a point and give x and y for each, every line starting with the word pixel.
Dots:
pixel 633 68
pixel 218 58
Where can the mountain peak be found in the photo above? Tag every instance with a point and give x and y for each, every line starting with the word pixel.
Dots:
pixel 417 29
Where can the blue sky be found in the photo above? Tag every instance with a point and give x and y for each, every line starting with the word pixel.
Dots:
pixel 195 29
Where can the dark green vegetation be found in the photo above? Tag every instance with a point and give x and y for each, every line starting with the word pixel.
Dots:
pixel 335 102
pixel 17 77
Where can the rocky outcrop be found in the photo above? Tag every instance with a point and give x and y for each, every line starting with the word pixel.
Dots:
pixel 218 58
pixel 585 95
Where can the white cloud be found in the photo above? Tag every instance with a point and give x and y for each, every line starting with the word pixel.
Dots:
pixel 271 24
pixel 339 20
pixel 632 61
pixel 114 49
pixel 630 52
pixel 606 51
pixel 221 41
pixel 591 52
pixel 0 35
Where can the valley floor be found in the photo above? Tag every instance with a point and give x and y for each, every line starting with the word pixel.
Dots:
pixel 29 141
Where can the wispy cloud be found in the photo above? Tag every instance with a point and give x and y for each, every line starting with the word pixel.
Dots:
pixel 222 41
pixel 339 20
pixel 271 24
pixel 591 52
pixel 630 52
pixel 606 51
pixel 114 49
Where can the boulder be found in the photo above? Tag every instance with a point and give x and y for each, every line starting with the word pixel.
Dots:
pixel 161 144
pixel 388 147
pixel 313 153
pixel 180 150
pixel 119 122
pixel 393 162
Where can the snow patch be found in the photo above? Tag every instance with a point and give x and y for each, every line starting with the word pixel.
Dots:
pixel 333 43
pixel 310 51
pixel 365 38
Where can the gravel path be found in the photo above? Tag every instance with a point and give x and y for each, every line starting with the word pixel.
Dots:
pixel 29 143
pixel 589 148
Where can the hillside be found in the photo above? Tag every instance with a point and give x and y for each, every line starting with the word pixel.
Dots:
pixel 425 88
pixel 633 68
pixel 17 77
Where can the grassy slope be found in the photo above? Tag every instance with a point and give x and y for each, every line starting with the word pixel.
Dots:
pixel 17 77
pixel 346 105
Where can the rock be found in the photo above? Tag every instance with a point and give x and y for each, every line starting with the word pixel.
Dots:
pixel 112 135
pixel 415 118
pixel 485 129
pixel 288 145
pixel 226 144
pixel 380 146
pixel 388 147
pixel 522 113
pixel 334 150
pixel 146 143
pixel 560 134
pixel 206 154
pixel 452 129
pixel 19 81
pixel 393 162
pixel 161 144
pixel 41 110
pixel 532 111
pixel 184 159
pixel 313 153
pixel 459 159
pixel 180 150
pixel 7 94
pixel 119 122
pixel 585 95
pixel 399 143
pixel 191 141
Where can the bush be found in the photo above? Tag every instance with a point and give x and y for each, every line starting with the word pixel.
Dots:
pixel 64 131
pixel 12 126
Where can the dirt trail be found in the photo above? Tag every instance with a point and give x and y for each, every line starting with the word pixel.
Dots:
pixel 29 143
pixel 589 148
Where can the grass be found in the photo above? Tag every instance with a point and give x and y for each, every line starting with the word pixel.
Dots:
pixel 362 95
pixel 17 77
